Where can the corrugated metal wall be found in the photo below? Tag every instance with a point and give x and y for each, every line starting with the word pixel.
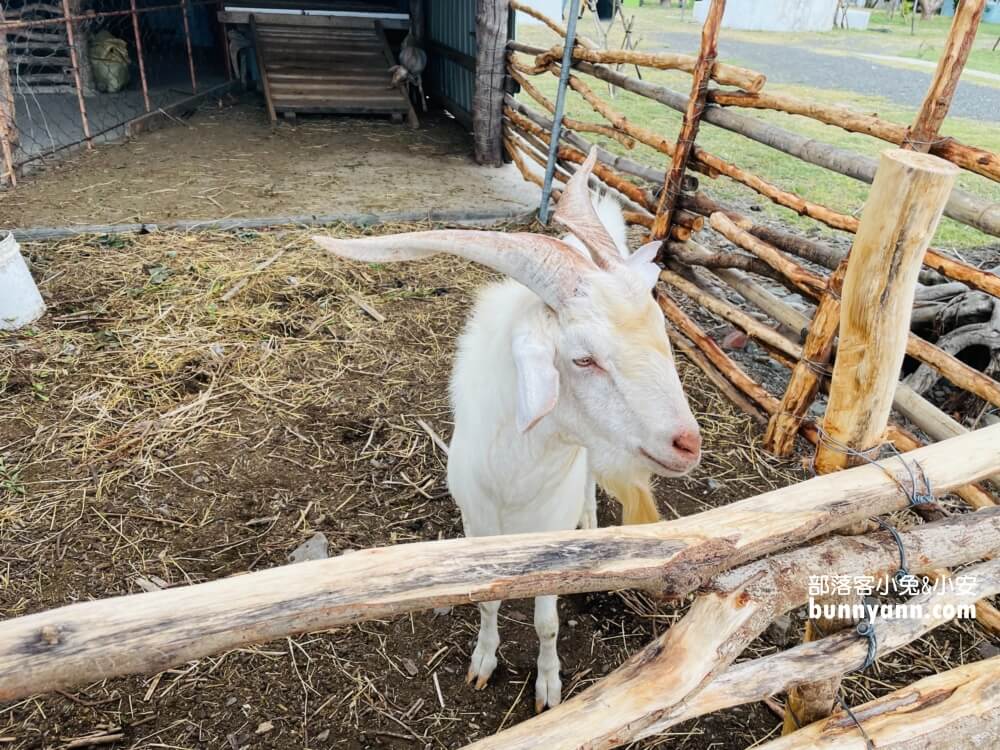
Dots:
pixel 451 36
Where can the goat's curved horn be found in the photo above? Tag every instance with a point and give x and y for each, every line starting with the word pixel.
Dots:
pixel 575 211
pixel 545 265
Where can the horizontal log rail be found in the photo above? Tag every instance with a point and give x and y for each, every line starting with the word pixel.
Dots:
pixel 728 75
pixel 956 708
pixel 736 608
pixel 977 160
pixel 151 631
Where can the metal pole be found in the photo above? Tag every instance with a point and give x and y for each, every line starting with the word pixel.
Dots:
pixel 557 117
pixel 187 38
pixel 76 74
pixel 138 55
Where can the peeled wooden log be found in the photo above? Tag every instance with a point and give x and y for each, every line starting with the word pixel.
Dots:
pixel 924 132
pixel 806 281
pixel 727 75
pixel 733 610
pixel 754 328
pixel 974 159
pixel 917 409
pixel 962 206
pixel 751 681
pixel 811 284
pixel 94 640
pixel 951 710
pixel 825 255
pixel 569 122
pixel 720 381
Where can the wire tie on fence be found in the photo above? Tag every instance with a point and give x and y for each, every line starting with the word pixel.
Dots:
pixel 916 495
pixel 869 745
pixel 903 571
pixel 824 371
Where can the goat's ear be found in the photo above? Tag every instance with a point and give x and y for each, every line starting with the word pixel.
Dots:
pixel 641 261
pixel 537 376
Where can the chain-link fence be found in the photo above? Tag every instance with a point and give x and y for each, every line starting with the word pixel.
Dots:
pixel 76 72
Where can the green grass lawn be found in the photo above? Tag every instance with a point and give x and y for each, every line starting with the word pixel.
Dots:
pixel 815 183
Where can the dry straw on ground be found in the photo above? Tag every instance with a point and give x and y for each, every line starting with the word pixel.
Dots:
pixel 194 406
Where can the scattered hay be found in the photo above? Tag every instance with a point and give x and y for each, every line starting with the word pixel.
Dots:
pixel 196 406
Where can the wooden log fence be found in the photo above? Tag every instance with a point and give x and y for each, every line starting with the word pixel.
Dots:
pixel 151 631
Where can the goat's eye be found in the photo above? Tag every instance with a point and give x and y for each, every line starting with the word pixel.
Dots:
pixel 584 362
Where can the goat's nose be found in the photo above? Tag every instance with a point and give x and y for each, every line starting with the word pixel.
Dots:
pixel 687 443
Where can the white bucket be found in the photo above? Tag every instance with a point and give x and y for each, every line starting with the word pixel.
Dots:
pixel 20 302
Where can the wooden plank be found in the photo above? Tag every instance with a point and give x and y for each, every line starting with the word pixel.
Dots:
pixel 280 19
pixel 262 69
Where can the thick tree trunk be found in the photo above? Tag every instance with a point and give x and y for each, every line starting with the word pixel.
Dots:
pixel 491 69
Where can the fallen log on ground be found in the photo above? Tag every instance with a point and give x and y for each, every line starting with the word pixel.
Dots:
pixel 149 632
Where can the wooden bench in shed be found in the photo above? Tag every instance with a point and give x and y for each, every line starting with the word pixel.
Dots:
pixel 315 64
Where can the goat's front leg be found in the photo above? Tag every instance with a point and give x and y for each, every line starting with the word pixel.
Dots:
pixel 548 688
pixel 588 519
pixel 484 657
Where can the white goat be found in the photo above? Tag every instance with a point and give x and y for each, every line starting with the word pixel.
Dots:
pixel 409 72
pixel 564 378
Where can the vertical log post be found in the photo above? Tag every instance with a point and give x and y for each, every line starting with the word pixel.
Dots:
pixel 900 217
pixel 139 57
pixel 491 68
pixel 8 129
pixel 783 426
pixel 924 131
pixel 779 438
pixel 190 50
pixel 74 56
pixel 701 76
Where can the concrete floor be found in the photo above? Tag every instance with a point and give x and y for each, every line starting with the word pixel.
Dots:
pixel 226 162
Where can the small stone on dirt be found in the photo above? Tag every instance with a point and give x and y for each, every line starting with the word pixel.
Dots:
pixel 264 727
pixel 315 547
pixel 410 667
pixel 147 585
pixel 734 340
pixel 713 485
pixel 442 611
pixel 987 650
pixel 780 632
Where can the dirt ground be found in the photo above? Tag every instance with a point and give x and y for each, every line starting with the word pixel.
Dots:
pixel 224 161
pixel 177 417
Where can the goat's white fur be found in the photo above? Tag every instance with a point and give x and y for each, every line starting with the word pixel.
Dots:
pixel 512 472
pixel 563 379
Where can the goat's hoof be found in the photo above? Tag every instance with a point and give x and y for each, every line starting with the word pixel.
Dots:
pixel 548 690
pixel 480 670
